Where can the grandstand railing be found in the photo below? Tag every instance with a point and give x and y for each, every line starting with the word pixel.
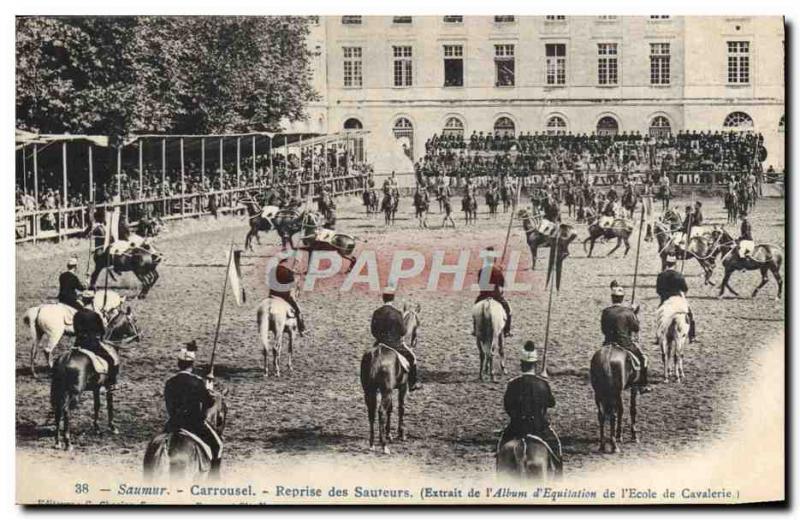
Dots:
pixel 72 221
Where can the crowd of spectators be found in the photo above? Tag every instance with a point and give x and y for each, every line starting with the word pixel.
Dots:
pixel 485 154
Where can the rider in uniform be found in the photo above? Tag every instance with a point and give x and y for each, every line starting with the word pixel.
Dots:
pixel 89 333
pixel 492 274
pixel 69 285
pixel 188 397
pixel 284 275
pixel 619 324
pixel 745 243
pixel 389 327
pixel 671 283
pixel 527 398
pixel 698 214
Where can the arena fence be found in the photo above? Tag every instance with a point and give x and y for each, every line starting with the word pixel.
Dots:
pixel 61 223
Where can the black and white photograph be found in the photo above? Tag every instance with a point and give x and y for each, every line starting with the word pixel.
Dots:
pixel 418 259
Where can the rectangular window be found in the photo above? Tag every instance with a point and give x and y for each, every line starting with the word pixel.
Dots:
pixel 659 17
pixel 739 62
pixel 401 19
pixel 403 76
pixel 607 18
pixel 659 63
pixel 313 20
pixel 504 19
pixel 607 64
pixel 453 66
pixel 551 18
pixel 351 20
pixel 556 63
pixel 453 19
pixel 353 76
pixel 504 65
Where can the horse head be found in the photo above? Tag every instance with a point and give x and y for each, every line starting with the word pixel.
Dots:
pixel 123 328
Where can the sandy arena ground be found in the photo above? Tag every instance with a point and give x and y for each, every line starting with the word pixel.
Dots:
pixel 318 411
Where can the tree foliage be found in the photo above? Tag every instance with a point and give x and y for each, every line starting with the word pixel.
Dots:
pixel 119 75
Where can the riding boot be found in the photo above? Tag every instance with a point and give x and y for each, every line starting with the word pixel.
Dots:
pixel 301 325
pixel 412 378
pixel 507 329
pixel 642 383
pixel 692 328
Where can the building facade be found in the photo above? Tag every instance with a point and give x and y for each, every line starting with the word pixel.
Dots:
pixel 406 78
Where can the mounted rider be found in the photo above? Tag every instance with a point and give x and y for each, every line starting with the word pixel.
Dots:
pixel 388 328
pixel 69 285
pixel 89 333
pixel 620 326
pixel 491 281
pixel 671 282
pixel 188 398
pixel 526 400
pixel 745 243
pixel 281 284
pixel 390 186
pixel 551 216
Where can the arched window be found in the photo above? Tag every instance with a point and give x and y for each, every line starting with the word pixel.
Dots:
pixel 660 127
pixel 504 126
pixel 555 125
pixel 738 120
pixel 404 132
pixel 607 126
pixel 353 124
pixel 782 124
pixel 453 127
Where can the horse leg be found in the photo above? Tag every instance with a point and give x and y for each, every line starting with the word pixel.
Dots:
pixel 110 410
pixel 34 348
pixel 619 243
pixel 276 351
pixel 481 355
pixel 65 419
pixel 382 423
pixel 591 246
pixel 776 273
pixel 96 395
pixel 627 246
pixel 389 409
pixel 401 411
pixel 601 418
pixel 501 350
pixel 764 281
pixel 634 431
pixel 612 426
pixel 724 282
pixel 371 399
pixel 620 415
pixel 290 349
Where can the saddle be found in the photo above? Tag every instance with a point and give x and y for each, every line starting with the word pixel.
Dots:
pixel 403 361
pixel 200 442
pixel 636 365
pixel 547 227
pixel 325 235
pixel 269 212
pixel 100 365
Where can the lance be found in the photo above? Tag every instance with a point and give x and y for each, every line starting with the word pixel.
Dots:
pixel 638 247
pixel 221 306
pixel 688 235
pixel 550 273
pixel 510 222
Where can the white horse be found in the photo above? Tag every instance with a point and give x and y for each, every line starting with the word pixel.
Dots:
pixel 54 320
pixel 276 317
pixel 489 319
pixel 672 327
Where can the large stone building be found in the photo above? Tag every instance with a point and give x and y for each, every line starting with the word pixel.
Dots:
pixel 406 78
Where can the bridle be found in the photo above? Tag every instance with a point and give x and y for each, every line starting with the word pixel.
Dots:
pixel 137 333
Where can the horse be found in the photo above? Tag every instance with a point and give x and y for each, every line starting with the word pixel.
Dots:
pixel 326 206
pixel 389 206
pixel 528 458
pixel 470 208
pixel 275 316
pixel 150 227
pixel 444 201
pixel 699 248
pixel 286 223
pixel 570 199
pixel 536 239
pixel 620 229
pixel 732 207
pixel 765 258
pixel 673 335
pixel 506 196
pixel 54 320
pixel 316 238
pixel 421 205
pixel 492 200
pixel 629 201
pixel 611 373
pixel 370 199
pixel 74 373
pixel 489 319
pixel 180 455
pixel 141 261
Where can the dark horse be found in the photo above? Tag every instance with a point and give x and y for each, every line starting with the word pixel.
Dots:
pixel 699 248
pixel 621 229
pixel 180 455
pixel 528 458
pixel 765 258
pixel 286 223
pixel 469 205
pixel 316 238
pixel 535 239
pixel 493 201
pixel 421 205
pixel 381 374
pixel 139 260
pixel 629 201
pixel 611 373
pixel 389 207
pixel 370 199
pixel 73 373
pixel 507 196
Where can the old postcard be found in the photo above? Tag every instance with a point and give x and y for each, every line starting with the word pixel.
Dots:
pixel 451 260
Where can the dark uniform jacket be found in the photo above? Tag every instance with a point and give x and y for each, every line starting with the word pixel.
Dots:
pixel 698 218
pixel 526 402
pixel 68 287
pixel 618 323
pixel 187 399
pixel 496 279
pixel 746 231
pixel 388 326
pixel 285 276
pixel 670 283
pixel 89 328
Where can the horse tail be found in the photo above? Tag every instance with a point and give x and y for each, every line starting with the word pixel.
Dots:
pixel 156 456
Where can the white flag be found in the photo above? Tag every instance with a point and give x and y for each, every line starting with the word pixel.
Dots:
pixel 235 277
